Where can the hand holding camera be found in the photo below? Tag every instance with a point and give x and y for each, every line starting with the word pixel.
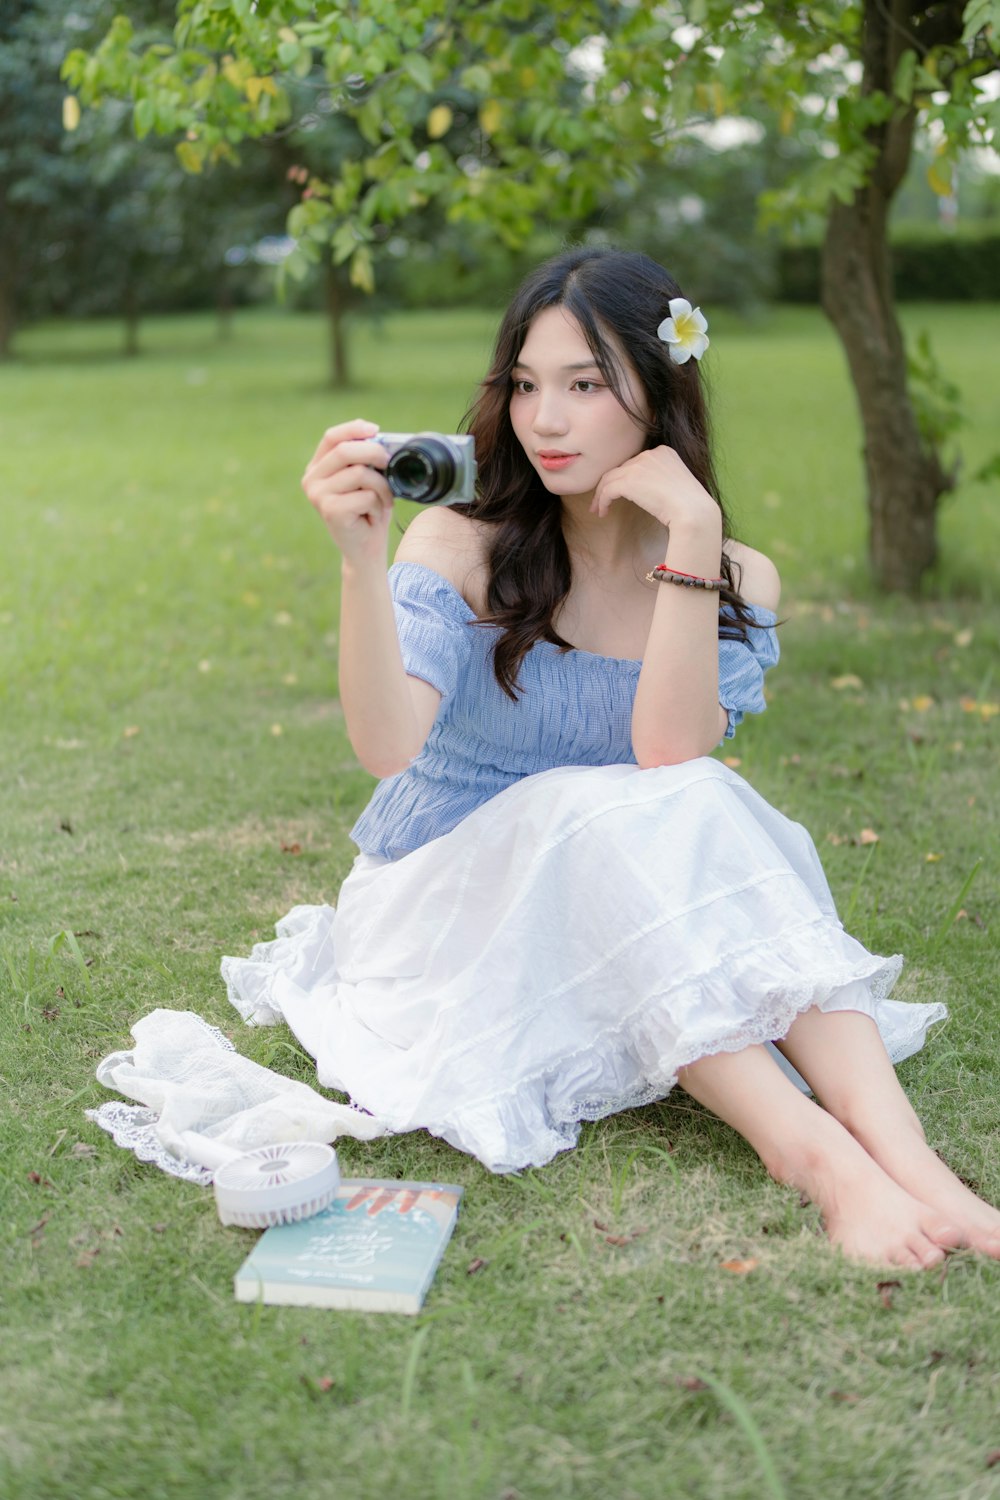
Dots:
pixel 356 472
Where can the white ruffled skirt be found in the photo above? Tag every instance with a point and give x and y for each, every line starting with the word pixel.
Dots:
pixel 562 953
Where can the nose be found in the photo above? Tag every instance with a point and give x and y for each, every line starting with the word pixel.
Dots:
pixel 549 415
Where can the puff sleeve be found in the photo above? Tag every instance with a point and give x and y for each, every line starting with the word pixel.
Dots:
pixel 742 664
pixel 432 621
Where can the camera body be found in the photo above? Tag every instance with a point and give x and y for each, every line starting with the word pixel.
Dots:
pixel 431 468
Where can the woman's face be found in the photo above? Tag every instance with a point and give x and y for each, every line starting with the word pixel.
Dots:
pixel 565 416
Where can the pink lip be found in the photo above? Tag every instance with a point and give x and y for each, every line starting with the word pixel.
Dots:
pixel 554 460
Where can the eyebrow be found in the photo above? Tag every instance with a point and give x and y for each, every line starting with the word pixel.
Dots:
pixel 587 364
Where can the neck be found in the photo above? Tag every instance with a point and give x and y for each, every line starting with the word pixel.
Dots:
pixel 625 536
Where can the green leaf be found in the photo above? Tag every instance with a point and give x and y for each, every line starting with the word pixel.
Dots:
pixel 343 243
pixel 362 271
pixel 982 15
pixel 902 84
pixel 420 71
pixel 191 155
pixel 477 79
pixel 369 119
pixel 296 266
pixel 144 118
pixel 988 471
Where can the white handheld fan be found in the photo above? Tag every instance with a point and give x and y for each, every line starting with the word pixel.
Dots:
pixel 277 1184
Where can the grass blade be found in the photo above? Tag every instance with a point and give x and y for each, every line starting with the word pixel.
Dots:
pixel 740 1412
pixel 410 1373
pixel 856 888
pixel 69 939
pixel 954 910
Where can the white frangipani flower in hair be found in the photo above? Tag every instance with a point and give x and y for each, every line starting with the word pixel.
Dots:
pixel 684 331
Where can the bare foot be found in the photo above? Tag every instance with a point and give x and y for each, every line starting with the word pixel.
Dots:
pixel 870 1216
pixel 902 1152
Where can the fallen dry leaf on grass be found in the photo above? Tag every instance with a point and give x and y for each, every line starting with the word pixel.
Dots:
pixel 848 680
pixel 975 706
pixel 739 1267
pixel 885 1290
pixel 866 836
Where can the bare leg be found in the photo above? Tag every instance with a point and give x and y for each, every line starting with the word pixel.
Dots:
pixel 841 1056
pixel 864 1211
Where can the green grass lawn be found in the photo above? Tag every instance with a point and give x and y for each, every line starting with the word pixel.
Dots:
pixel 176 775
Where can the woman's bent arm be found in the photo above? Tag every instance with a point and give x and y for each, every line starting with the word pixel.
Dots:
pixel 388 713
pixel 677 715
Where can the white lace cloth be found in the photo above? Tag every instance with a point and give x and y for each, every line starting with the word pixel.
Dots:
pixel 201 1103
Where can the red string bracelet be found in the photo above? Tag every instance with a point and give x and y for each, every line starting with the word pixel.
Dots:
pixel 663 574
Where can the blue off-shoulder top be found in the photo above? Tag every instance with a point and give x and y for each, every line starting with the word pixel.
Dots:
pixel 575 709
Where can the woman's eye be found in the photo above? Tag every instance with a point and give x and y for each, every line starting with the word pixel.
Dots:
pixel 522 387
pixel 586 386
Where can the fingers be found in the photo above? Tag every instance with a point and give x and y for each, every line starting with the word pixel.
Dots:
pixel 358 427
pixel 356 476
pixel 344 483
pixel 612 486
pixel 342 455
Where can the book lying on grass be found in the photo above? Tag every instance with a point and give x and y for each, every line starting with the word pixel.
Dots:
pixel 375 1248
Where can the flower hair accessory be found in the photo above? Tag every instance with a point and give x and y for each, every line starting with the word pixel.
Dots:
pixel 684 331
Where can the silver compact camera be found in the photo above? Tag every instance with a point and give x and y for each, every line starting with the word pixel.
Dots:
pixel 430 467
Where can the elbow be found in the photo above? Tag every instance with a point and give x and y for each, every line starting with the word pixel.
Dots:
pixel 680 742
pixel 384 761
pixel 382 767
pixel 649 756
pixel 669 753
pixel 673 750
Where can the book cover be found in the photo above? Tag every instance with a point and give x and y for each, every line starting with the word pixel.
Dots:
pixel 375 1248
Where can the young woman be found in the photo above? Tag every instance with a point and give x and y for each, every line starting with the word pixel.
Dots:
pixel 562 906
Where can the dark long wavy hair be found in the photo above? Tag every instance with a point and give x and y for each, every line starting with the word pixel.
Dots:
pixel 618 298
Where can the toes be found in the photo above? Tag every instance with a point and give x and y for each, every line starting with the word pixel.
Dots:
pixel 987 1244
pixel 948 1236
pixel 933 1256
pixel 916 1255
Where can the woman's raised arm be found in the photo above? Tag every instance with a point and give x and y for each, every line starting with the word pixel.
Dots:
pixel 388 713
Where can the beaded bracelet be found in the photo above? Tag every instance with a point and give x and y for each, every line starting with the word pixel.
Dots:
pixel 662 574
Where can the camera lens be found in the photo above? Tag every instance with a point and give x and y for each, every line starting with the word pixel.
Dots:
pixel 424 471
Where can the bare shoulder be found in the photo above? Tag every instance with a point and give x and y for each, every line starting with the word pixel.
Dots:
pixel 452 544
pixel 759 579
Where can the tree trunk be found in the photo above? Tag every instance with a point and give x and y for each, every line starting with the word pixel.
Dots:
pixel 224 306
pixel 7 319
pixel 131 312
pixel 8 305
pixel 339 367
pixel 905 479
